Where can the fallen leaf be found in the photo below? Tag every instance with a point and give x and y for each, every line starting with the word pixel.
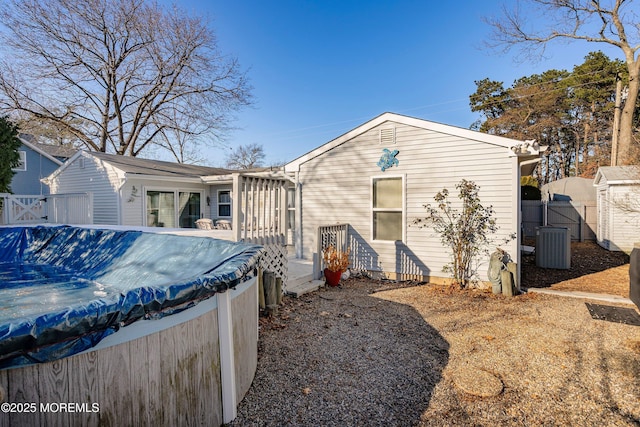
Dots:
pixel 306 390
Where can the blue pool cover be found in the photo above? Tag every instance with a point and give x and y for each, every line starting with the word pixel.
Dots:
pixel 63 289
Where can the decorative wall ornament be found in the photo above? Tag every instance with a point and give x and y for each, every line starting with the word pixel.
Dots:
pixel 388 159
pixel 134 194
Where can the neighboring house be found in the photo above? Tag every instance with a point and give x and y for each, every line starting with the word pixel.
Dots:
pixel 36 162
pixel 378 177
pixel 142 192
pixel 618 190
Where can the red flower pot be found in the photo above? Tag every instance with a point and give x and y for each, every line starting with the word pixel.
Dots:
pixel 332 277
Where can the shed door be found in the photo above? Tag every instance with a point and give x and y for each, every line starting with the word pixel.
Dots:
pixel 603 218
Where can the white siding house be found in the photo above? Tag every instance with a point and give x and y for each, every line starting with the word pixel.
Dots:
pixel 345 181
pixel 618 190
pixel 141 192
pixel 247 205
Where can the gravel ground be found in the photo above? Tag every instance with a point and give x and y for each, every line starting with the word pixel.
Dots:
pixel 380 353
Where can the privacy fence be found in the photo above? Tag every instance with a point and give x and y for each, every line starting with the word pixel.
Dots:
pixel 70 208
pixel 580 217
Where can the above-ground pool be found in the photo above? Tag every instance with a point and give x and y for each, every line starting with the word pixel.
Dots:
pixel 134 313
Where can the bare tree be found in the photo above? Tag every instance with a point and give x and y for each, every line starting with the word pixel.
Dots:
pixel 612 22
pixel 181 145
pixel 245 157
pixel 117 75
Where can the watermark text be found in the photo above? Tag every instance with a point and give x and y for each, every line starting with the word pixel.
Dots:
pixel 49 407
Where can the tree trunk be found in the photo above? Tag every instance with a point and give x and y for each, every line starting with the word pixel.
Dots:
pixel 625 139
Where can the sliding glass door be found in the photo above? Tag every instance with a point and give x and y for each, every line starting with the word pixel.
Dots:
pixel 173 209
pixel 189 209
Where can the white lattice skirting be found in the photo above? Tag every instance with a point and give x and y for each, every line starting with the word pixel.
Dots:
pixel 275 261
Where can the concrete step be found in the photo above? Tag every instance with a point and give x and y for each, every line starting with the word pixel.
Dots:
pixel 586 295
pixel 299 280
pixel 304 287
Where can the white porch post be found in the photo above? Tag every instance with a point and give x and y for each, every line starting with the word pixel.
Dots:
pixel 283 210
pixel 298 213
pixel 227 362
pixel 5 208
pixel 236 208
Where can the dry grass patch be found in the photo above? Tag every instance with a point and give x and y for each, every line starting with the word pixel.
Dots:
pixel 558 365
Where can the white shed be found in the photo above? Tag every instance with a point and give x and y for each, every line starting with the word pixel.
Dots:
pixel 618 190
pixel 378 177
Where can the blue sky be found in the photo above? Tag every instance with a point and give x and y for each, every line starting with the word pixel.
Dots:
pixel 322 68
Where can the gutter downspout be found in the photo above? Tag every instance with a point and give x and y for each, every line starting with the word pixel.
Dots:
pixel 123 181
pixel 298 217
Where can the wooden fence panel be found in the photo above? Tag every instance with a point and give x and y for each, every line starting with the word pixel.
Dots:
pixel 531 217
pixel 580 218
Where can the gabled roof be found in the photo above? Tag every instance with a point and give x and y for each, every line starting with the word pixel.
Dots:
pixel 410 121
pixel 138 166
pixel 58 151
pixel 614 175
pixel 34 146
pixel 145 167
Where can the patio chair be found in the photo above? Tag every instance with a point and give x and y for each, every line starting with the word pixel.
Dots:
pixel 204 224
pixel 223 224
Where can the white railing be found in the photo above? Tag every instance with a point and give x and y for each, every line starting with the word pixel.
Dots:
pixel 260 212
pixel 70 208
pixel 329 235
pixel 259 217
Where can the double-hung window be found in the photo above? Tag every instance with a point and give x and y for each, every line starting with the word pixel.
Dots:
pixel 388 208
pixel 224 203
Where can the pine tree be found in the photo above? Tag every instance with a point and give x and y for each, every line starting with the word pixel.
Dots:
pixel 9 157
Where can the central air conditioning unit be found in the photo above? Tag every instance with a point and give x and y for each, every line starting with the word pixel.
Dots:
pixel 553 247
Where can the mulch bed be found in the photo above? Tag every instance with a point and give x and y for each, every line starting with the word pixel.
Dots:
pixel 593 269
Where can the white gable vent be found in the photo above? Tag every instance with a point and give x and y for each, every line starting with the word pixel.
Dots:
pixel 388 136
pixel 81 162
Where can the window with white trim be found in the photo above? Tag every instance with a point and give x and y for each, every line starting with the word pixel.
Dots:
pixel 388 208
pixel 224 203
pixel 22 165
